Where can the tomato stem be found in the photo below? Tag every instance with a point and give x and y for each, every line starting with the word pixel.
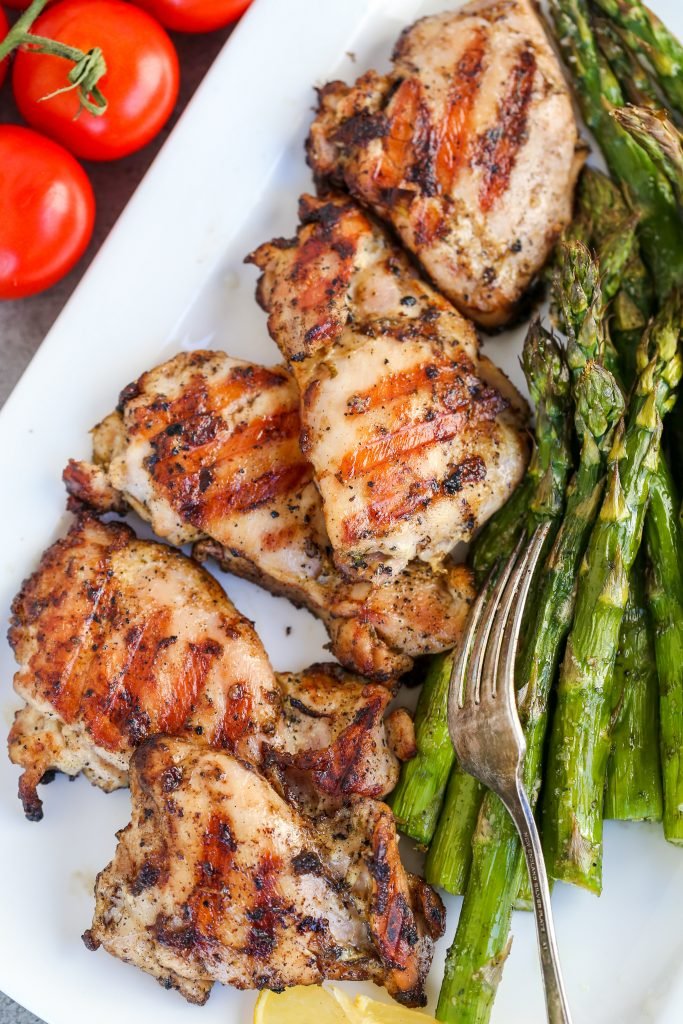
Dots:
pixel 88 68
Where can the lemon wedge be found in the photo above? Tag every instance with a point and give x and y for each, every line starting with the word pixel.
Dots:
pixel 303 1004
pixel 311 1004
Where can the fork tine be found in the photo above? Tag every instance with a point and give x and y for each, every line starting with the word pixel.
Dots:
pixel 504 670
pixel 473 671
pixel 516 590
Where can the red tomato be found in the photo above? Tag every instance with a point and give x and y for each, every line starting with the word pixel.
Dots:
pixel 141 83
pixel 195 15
pixel 47 211
pixel 4 25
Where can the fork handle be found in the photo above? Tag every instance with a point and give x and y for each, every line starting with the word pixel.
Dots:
pixel 555 995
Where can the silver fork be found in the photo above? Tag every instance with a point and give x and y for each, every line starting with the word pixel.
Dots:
pixel 488 738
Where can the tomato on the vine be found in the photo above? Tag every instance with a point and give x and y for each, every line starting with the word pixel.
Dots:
pixel 47 212
pixel 141 83
pixel 195 15
pixel 4 25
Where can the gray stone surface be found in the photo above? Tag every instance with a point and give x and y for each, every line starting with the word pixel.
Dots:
pixel 24 324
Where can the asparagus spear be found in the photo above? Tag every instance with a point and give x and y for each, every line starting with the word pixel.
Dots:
pixel 648 36
pixel 475 960
pixel 661 139
pixel 450 855
pixel 417 799
pixel 580 739
pixel 649 192
pixel 547 377
pixel 577 302
pixel 634 784
pixel 634 80
pixel 608 227
pixel 664 538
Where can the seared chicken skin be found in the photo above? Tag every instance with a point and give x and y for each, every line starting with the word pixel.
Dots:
pixel 333 737
pixel 119 638
pixel 206 448
pixel 415 440
pixel 219 877
pixel 469 148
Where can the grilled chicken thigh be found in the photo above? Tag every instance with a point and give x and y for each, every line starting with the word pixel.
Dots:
pixel 119 638
pixel 219 877
pixel 415 440
pixel 206 448
pixel 469 148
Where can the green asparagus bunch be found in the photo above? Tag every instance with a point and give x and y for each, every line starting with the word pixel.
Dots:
pixel 634 789
pixel 580 737
pixel 647 36
pixel 475 960
pixel 660 140
pixel 649 192
pixel 547 375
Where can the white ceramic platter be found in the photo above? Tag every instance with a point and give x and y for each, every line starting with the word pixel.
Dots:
pixel 171 275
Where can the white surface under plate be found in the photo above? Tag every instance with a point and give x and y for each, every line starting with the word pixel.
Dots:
pixel 171 275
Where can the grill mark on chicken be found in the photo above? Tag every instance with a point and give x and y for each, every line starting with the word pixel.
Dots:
pixel 211 894
pixel 497 149
pixel 335 733
pixel 115 706
pixel 236 720
pixel 268 913
pixel 454 133
pixel 414 149
pixel 396 928
pixel 201 453
pixel 238 493
pixel 322 271
pixel 196 399
pixel 406 141
pixel 378 518
pixel 380 453
pixel 433 375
